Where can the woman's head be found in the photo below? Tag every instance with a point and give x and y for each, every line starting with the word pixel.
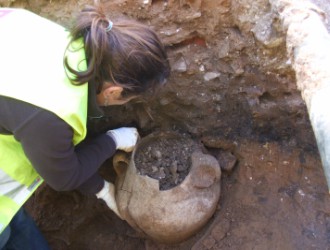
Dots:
pixel 124 54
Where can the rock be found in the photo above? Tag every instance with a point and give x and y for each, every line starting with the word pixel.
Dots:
pixel 211 76
pixel 227 160
pixel 180 65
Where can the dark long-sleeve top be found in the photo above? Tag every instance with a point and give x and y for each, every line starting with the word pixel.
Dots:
pixel 47 142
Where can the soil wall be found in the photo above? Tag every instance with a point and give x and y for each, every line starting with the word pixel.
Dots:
pixel 231 77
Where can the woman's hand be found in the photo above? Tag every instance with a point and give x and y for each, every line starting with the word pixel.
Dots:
pixel 107 194
pixel 125 138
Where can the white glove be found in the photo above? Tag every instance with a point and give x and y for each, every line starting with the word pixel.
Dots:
pixel 107 194
pixel 125 138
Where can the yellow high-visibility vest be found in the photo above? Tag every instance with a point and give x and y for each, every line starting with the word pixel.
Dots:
pixel 32 70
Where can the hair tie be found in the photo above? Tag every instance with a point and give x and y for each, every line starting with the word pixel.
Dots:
pixel 109 26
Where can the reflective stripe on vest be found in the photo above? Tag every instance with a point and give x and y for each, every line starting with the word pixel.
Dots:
pixel 31 70
pixel 15 190
pixel 14 195
pixel 17 182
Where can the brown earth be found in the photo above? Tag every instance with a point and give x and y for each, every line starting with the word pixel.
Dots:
pixel 233 88
pixel 274 198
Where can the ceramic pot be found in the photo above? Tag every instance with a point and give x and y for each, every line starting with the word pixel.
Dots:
pixel 167 216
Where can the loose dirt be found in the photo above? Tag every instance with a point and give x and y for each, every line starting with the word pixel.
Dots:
pixel 166 159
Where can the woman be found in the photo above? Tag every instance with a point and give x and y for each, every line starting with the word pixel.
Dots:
pixel 51 81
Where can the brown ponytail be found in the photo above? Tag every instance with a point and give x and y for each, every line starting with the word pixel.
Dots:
pixel 129 55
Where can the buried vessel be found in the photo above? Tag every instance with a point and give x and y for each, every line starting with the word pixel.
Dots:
pixel 178 211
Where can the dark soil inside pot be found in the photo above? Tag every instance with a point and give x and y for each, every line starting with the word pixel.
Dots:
pixel 166 159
